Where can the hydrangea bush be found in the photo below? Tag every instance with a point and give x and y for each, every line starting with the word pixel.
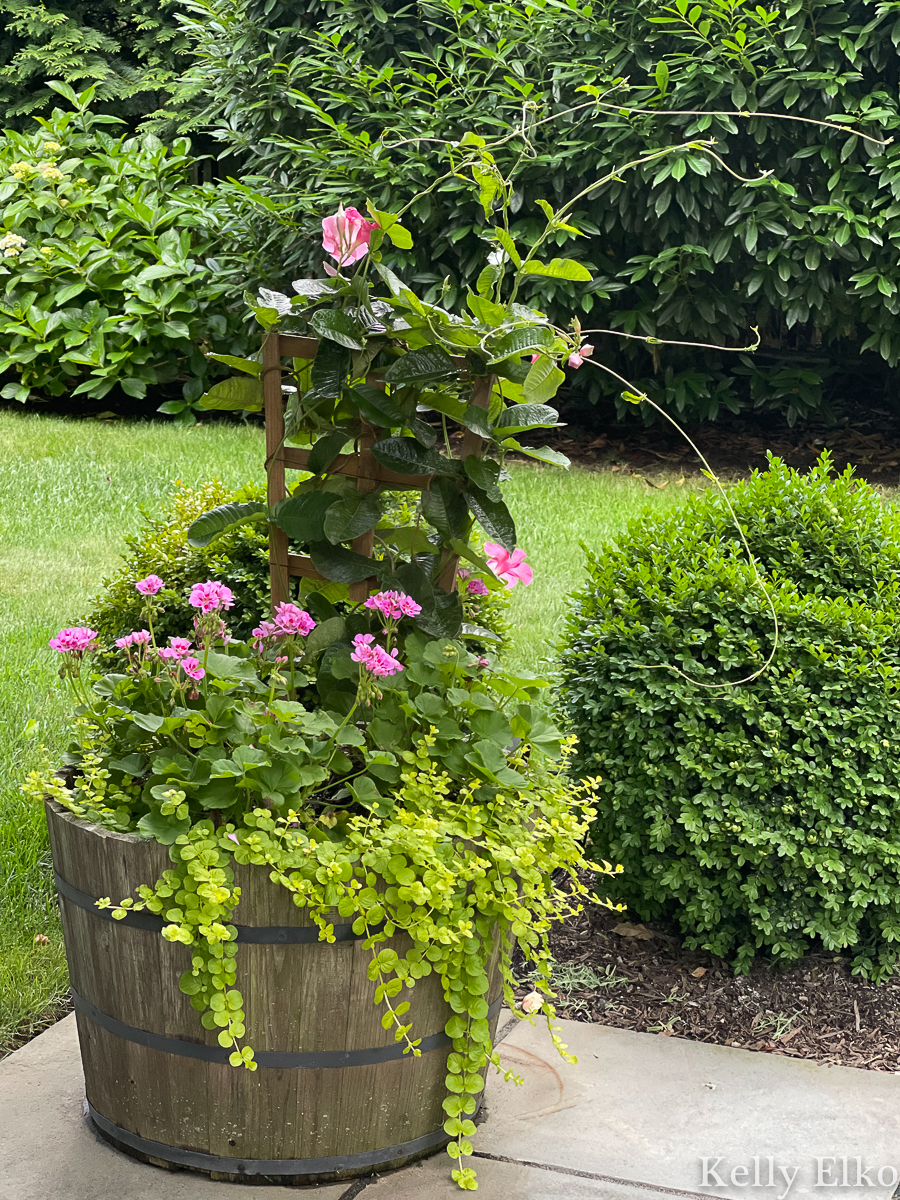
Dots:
pixel 107 278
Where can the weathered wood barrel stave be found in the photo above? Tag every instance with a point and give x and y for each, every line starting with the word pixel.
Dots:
pixel 333 1096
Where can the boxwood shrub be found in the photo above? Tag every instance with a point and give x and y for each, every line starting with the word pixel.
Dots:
pixel 761 816
pixel 239 557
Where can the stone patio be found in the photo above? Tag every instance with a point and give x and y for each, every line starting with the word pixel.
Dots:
pixel 640 1117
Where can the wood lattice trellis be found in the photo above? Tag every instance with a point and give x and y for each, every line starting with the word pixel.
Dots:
pixel 360 466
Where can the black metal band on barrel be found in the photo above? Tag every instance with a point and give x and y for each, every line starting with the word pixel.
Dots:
pixel 308 1060
pixel 267 1166
pixel 257 935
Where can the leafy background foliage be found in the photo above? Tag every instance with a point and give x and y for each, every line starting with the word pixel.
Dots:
pixel 237 557
pixel 679 249
pixel 131 49
pixel 761 816
pixel 115 285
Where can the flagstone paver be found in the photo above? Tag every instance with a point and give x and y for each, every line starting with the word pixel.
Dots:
pixel 633 1120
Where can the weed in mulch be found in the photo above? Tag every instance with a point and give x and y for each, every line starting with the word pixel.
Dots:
pixel 642 978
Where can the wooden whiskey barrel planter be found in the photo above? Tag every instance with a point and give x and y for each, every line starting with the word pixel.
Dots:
pixel 333 1097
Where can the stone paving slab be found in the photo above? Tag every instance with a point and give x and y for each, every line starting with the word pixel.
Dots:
pixel 649 1109
pixel 49 1152
pixel 634 1120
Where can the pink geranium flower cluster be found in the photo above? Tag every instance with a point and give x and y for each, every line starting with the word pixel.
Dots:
pixel 140 637
pixel 289 619
pixel 77 640
pixel 211 596
pixel 177 649
pixel 374 658
pixel 394 605
pixel 150 586
pixel 264 631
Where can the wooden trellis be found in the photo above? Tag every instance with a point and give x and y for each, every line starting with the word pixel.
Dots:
pixel 360 465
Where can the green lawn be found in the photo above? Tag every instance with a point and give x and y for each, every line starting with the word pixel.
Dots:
pixel 69 491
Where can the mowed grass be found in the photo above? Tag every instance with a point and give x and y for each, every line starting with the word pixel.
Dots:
pixel 554 512
pixel 69 492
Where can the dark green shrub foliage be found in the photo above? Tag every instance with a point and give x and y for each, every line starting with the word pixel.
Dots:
pixel 763 816
pixel 302 96
pixel 132 49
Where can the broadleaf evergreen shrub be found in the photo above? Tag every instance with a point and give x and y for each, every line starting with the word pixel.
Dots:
pixel 765 816
pixel 335 102
pixel 239 557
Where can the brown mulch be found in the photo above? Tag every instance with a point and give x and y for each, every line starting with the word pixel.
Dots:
pixel 734 446
pixel 642 978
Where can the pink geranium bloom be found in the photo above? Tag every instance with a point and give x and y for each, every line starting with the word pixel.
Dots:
pixel 181 646
pixel 191 667
pixel 385 664
pixel 291 619
pixel 345 236
pixel 74 641
pixel 168 654
pixel 477 587
pixel 510 568
pixel 394 605
pixel 211 596
pixel 150 586
pixel 140 637
pixel 373 657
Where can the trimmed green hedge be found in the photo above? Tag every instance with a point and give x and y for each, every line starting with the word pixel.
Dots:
pixel 762 816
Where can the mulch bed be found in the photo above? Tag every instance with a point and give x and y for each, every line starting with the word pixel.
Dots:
pixel 642 978
pixel 735 445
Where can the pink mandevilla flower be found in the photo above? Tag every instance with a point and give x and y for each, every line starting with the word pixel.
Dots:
pixel 75 641
pixel 583 352
pixel 345 236
pixel 211 596
pixel 191 667
pixel 291 619
pixel 477 587
pixel 150 586
pixel 511 568
pixel 394 605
